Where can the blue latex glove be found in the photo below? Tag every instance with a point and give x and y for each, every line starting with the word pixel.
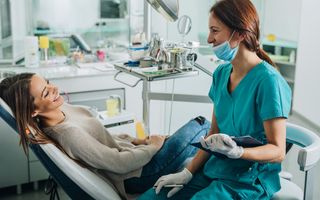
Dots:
pixel 222 143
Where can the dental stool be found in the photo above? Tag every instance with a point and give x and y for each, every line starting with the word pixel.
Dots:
pixel 308 157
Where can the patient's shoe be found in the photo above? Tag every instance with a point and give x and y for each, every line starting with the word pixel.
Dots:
pixel 200 120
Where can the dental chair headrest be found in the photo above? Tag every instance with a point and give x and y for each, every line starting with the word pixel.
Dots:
pixel 5 106
pixel 7 114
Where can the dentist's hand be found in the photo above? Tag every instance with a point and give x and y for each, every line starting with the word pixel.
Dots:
pixel 223 144
pixel 180 178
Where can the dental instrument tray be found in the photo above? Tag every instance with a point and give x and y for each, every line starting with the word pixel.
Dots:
pixel 244 141
pixel 153 74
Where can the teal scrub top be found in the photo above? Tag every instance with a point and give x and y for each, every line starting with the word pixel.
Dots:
pixel 261 95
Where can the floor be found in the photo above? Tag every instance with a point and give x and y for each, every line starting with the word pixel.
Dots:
pixel 28 192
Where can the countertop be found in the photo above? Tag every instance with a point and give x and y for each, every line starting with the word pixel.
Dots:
pixel 59 71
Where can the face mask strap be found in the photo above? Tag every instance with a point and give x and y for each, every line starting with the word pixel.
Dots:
pixel 231 36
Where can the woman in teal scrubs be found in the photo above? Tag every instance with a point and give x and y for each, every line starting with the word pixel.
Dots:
pixel 250 98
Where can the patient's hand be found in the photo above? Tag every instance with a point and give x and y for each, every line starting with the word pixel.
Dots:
pixel 156 140
pixel 137 141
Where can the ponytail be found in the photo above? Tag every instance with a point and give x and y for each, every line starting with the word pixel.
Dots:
pixel 264 56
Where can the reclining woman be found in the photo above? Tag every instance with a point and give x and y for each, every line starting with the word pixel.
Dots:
pixel 132 165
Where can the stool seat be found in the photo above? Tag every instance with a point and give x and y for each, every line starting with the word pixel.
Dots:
pixel 289 191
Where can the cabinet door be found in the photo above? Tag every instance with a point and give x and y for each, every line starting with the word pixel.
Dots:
pixel 14 164
pixel 37 171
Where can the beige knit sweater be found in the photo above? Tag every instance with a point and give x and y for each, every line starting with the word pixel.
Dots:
pixel 84 138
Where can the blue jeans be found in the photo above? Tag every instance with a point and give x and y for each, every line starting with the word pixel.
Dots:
pixel 170 158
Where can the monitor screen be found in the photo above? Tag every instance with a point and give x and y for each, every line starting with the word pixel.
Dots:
pixel 113 9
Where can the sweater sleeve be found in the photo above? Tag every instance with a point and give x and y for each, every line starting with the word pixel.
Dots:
pixel 124 137
pixel 81 145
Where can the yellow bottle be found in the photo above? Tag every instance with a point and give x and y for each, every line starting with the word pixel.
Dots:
pixel 140 130
pixel 43 42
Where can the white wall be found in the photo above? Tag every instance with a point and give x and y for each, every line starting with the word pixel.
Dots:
pixel 281 18
pixel 274 16
pixel 198 13
pixel 307 93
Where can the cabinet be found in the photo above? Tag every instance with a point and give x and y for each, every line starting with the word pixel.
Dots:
pixel 14 164
pixel 16 168
pixel 12 30
pixel 5 32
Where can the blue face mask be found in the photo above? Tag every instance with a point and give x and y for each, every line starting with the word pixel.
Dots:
pixel 224 52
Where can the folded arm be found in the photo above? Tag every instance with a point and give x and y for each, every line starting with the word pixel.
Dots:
pixel 274 151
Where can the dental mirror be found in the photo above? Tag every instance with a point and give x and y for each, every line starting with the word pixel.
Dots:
pixel 184 25
pixel 167 8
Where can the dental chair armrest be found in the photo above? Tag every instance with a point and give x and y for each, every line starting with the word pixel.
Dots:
pixel 309 156
pixel 309 141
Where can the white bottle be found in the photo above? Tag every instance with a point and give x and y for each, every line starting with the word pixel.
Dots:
pixel 31 47
pixel 292 56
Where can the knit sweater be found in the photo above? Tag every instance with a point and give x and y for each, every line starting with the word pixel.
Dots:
pixel 84 138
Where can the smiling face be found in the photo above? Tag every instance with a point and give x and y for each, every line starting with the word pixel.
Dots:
pixel 46 96
pixel 219 33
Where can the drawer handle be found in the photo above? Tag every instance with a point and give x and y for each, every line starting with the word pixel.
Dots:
pixel 115 78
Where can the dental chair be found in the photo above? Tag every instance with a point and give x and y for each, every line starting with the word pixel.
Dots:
pixel 308 157
pixel 78 182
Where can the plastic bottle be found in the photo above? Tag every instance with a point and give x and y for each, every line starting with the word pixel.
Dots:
pixel 140 130
pixel 31 57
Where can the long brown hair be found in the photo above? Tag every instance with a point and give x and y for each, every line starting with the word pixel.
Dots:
pixel 15 91
pixel 241 16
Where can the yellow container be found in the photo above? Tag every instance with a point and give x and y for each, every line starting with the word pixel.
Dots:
pixel 140 130
pixel 43 42
pixel 113 105
pixel 271 37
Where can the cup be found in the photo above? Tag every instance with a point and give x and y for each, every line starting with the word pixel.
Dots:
pixel 138 52
pixel 113 105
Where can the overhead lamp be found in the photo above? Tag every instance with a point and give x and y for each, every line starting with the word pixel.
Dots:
pixel 167 8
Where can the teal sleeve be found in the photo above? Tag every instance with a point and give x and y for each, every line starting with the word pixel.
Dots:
pixel 274 98
pixel 212 89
